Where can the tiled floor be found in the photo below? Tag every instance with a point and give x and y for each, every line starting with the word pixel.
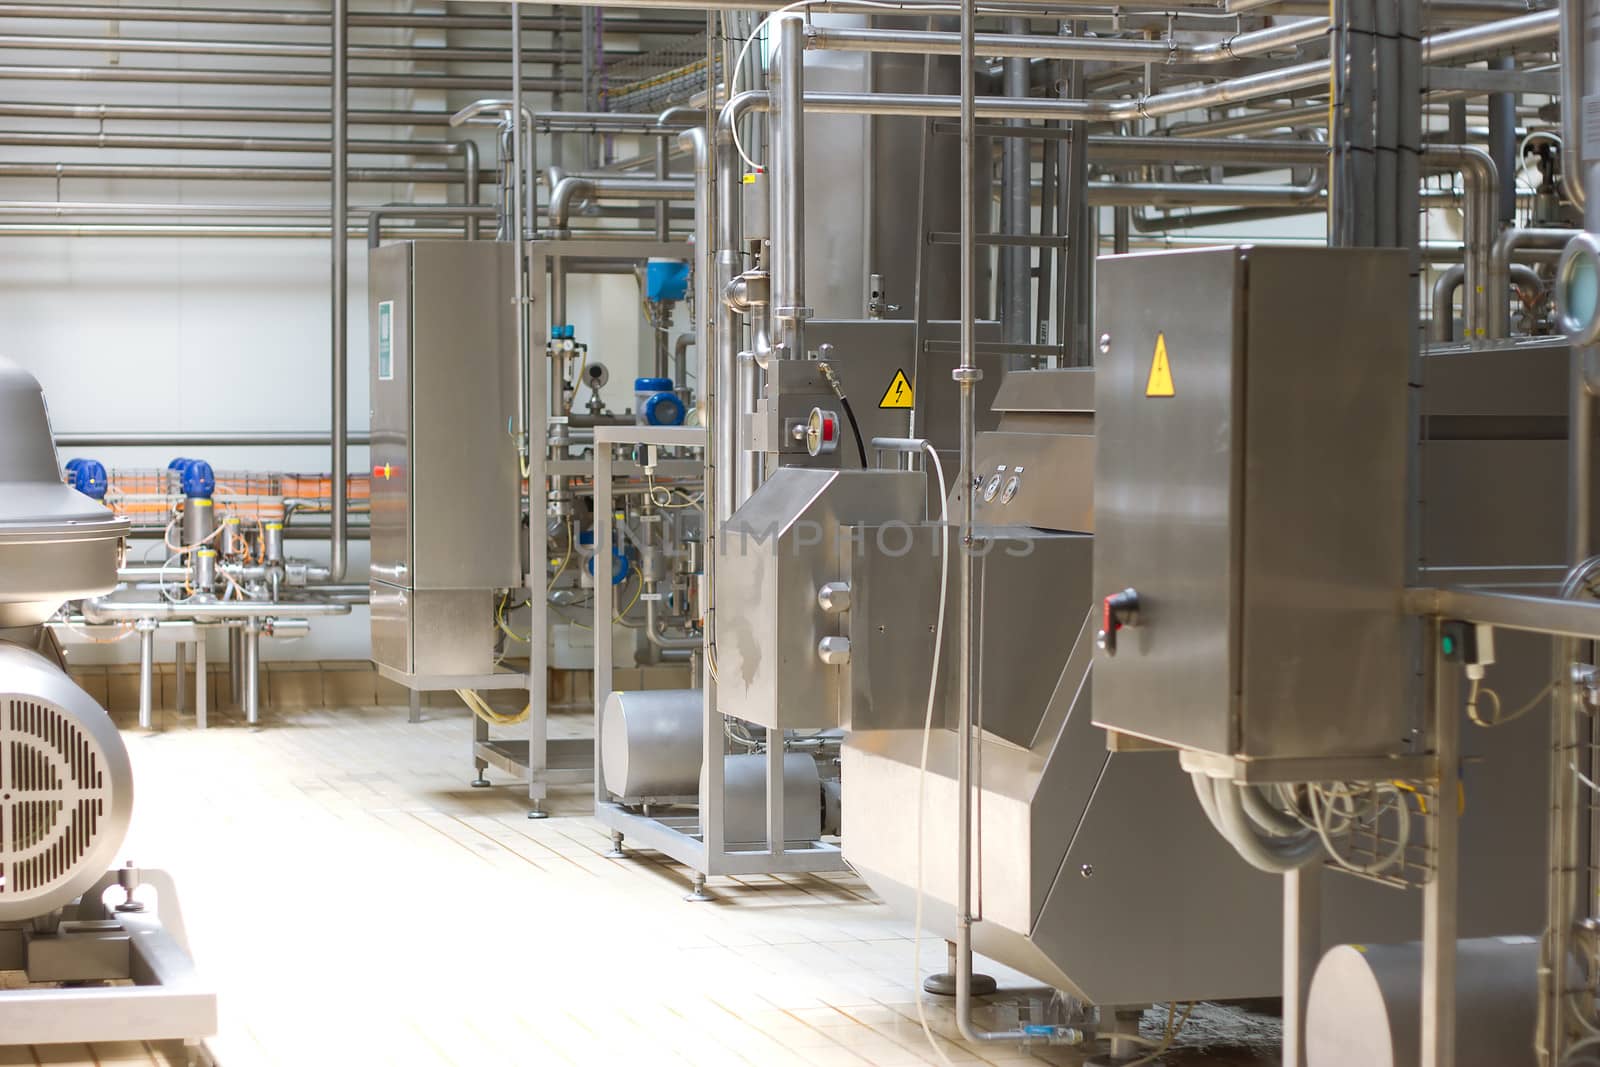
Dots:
pixel 355 903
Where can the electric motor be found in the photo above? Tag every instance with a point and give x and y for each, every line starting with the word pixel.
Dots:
pixel 66 789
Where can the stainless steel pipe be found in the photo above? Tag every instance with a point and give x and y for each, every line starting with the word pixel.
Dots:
pixel 1451 44
pixel 1479 180
pixel 571 190
pixel 113 439
pixel 170 113
pixel 469 212
pixel 1169 150
pixel 201 172
pixel 274 49
pixel 339 237
pixel 1498 281
pixel 788 308
pixel 406 20
pixel 1441 321
pixel 1133 52
pixel 147 660
pixel 1206 194
pixel 522 220
pixel 109 609
pixel 221 143
pixel 705 301
pixel 251 640
pixel 312 78
pixel 1574 81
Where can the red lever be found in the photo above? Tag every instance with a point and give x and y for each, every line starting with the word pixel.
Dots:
pixel 1116 611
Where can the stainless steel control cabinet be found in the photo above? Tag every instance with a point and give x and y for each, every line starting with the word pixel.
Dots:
pixel 1250 487
pixel 445 479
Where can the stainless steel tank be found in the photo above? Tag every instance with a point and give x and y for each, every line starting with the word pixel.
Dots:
pixel 1365 1005
pixel 650 743
pixel 55 543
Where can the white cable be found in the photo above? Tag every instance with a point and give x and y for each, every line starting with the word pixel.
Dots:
pixel 927 733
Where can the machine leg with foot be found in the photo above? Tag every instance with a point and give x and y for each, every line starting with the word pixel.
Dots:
pixel 944 985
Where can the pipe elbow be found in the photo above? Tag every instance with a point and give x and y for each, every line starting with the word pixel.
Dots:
pixel 564 195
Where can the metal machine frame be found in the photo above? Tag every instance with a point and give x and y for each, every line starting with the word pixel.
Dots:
pixel 167 1000
pixel 698 841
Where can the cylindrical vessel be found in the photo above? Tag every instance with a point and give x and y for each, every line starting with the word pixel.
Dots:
pixel 205 570
pixel 231 541
pixel 650 749
pixel 272 541
pixel 650 743
pixel 199 519
pixel 1365 1004
pixel 744 819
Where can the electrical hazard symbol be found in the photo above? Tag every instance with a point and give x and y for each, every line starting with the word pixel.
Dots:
pixel 1160 380
pixel 899 394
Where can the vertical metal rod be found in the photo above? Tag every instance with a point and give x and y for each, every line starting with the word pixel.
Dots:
pixel 539 403
pixel 775 797
pixel 413 706
pixel 1580 460
pixel 252 671
pixel 722 372
pixel 1574 84
pixel 1386 109
pixel 1049 172
pixel 236 666
pixel 338 228
pixel 202 683
pixel 147 666
pixel 1503 148
pixel 966 375
pixel 1016 213
pixel 591 152
pixel 1302 949
pixel 1363 165
pixel 469 188
pixel 604 536
pixel 180 654
pixel 661 172
pixel 519 221
pixel 699 146
pixel 1439 896
pixel 789 310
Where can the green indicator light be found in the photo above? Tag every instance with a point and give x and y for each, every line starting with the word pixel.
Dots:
pixel 1448 643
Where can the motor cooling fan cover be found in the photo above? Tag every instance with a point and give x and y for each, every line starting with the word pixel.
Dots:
pixel 66 789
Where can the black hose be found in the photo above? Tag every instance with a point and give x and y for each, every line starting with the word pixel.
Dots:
pixel 855 428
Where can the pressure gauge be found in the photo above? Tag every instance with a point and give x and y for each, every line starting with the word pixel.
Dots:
pixel 1578 289
pixel 822 432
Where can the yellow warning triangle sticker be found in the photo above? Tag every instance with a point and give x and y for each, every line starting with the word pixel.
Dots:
pixel 1160 381
pixel 899 394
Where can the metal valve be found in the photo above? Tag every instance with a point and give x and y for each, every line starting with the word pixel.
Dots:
pixel 834 650
pixel 1116 611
